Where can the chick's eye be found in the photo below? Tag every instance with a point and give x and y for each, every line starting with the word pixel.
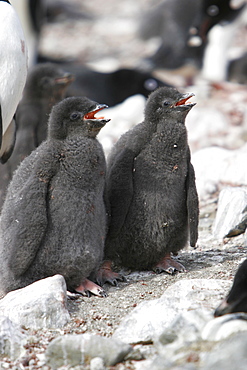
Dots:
pixel 166 103
pixel 74 116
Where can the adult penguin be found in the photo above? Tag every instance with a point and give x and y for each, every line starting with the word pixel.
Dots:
pixel 13 73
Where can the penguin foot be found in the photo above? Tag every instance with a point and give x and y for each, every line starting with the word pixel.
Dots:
pixel 87 288
pixel 72 296
pixel 106 275
pixel 169 265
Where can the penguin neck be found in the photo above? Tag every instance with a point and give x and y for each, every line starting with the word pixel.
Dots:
pixel 166 123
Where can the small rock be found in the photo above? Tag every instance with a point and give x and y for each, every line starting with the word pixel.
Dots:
pixel 97 363
pixel 231 216
pixel 75 349
pixel 39 305
pixel 65 350
pixel 12 340
pixel 110 350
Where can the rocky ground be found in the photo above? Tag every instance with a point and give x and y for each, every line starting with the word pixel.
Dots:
pixel 110 40
pixel 102 316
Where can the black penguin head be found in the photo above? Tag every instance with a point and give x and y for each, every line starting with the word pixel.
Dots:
pixel 167 103
pixel 75 116
pixel 215 12
pixel 236 300
pixel 47 80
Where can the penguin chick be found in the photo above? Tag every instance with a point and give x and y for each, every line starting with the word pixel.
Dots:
pixel 13 72
pixel 53 219
pixel 236 300
pixel 46 85
pixel 150 189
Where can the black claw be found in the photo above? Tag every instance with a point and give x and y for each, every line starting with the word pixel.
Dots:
pixel 171 270
pixel 123 278
pixel 158 270
pixel 114 282
pixel 86 293
pixel 103 293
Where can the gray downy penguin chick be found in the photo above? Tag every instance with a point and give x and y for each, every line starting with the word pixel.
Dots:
pixel 150 190
pixel 45 86
pixel 53 219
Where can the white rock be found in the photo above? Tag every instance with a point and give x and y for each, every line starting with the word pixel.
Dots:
pixel 12 340
pixel 214 165
pixel 228 354
pixel 224 326
pixel 149 319
pixel 39 305
pixel 74 349
pixel 187 325
pixel 97 363
pixel 231 216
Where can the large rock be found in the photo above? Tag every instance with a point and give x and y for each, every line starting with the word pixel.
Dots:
pixel 39 305
pixel 214 165
pixel 150 319
pixel 228 354
pixel 72 350
pixel 231 216
pixel 222 327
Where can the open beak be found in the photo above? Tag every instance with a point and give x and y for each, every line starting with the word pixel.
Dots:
pixel 183 102
pixel 96 123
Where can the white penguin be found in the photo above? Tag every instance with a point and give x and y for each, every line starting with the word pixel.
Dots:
pixel 13 73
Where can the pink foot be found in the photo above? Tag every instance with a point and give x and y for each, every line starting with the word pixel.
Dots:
pixel 87 287
pixel 169 265
pixel 106 275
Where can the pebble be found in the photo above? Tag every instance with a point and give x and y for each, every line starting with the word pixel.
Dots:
pixel 97 363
